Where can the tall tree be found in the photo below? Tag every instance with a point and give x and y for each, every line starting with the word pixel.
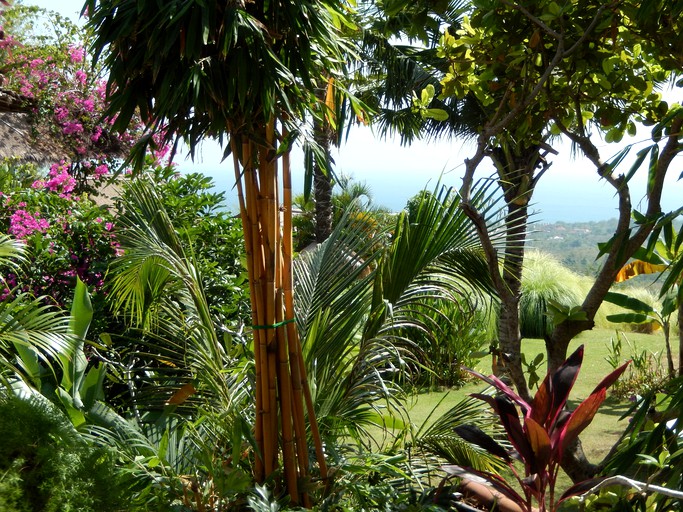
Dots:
pixel 245 73
pixel 539 69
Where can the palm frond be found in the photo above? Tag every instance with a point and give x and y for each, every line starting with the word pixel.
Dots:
pixel 157 284
pixel 439 438
pixel 30 331
pixel 12 252
pixel 362 320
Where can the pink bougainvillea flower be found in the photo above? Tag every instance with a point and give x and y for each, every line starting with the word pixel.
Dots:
pixel 23 224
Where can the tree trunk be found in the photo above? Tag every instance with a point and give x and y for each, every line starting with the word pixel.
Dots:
pixel 666 327
pixel 509 336
pixel 322 186
pixel 575 463
pixel 322 171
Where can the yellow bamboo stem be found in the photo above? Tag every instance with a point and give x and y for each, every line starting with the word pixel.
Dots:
pixel 299 379
pixel 263 431
pixel 285 389
pixel 259 472
pixel 273 244
pixel 282 389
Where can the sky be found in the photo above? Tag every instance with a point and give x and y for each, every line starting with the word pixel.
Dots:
pixel 570 191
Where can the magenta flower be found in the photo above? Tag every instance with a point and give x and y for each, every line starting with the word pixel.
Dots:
pixel 23 224
pixel 71 127
pixel 101 170
pixel 76 54
pixel 81 77
pixel 97 133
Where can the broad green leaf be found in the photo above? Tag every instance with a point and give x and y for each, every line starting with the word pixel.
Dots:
pixel 92 389
pixel 163 445
pixel 627 302
pixel 81 311
pixel 73 410
pixel 630 318
pixel 436 113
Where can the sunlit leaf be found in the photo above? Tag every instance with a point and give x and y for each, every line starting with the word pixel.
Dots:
pixel 636 268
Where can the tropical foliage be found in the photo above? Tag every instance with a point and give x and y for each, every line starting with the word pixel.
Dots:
pixel 161 388
pixel 662 254
pixel 540 439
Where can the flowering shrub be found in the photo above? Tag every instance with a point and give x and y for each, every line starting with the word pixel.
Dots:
pixel 67 235
pixel 64 96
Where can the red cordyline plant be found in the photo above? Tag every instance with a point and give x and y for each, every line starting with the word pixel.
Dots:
pixel 540 436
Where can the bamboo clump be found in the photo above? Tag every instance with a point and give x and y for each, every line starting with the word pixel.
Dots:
pixel 282 391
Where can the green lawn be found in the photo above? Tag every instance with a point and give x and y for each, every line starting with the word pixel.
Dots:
pixel 607 425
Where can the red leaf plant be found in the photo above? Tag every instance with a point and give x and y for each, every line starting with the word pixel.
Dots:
pixel 540 437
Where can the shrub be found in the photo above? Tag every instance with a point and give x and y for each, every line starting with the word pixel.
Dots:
pixel 464 329
pixel 545 280
pixel 67 236
pixel 211 234
pixel 47 466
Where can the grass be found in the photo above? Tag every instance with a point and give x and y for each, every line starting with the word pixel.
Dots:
pixel 607 426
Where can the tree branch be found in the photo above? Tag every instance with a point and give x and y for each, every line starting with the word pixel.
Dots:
pixel 489 250
pixel 642 487
pixel 535 20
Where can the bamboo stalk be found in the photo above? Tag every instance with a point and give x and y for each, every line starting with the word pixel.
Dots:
pixel 259 470
pixel 267 211
pixel 265 412
pixel 285 388
pixel 281 386
pixel 298 418
pixel 296 355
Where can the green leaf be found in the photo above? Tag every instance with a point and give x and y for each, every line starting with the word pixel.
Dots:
pixel 630 318
pixel 163 445
pixel 436 113
pixel 627 302
pixel 74 361
pixel 72 409
pixel 640 156
pixel 81 311
pixel 652 173
pixel 93 386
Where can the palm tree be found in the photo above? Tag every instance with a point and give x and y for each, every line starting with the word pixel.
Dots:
pixel 363 308
pixel 358 309
pixel 376 87
pixel 246 71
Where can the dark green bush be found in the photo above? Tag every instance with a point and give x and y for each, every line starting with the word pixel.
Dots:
pixel 46 466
